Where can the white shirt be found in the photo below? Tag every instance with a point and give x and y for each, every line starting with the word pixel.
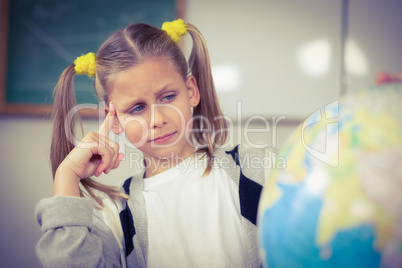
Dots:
pixel 194 221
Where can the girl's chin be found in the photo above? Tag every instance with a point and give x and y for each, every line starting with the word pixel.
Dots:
pixel 167 152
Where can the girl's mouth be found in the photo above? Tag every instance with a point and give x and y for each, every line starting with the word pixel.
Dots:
pixel 163 138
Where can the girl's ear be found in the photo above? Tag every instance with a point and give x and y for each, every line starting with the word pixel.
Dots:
pixel 117 128
pixel 193 91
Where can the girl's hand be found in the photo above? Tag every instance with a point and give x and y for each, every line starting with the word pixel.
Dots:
pixel 95 154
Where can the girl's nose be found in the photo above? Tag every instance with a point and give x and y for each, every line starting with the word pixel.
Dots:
pixel 158 118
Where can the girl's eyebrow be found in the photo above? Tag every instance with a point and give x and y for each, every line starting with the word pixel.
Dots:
pixel 129 103
pixel 135 100
pixel 163 89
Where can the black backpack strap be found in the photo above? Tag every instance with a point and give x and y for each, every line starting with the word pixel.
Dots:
pixel 127 223
pixel 249 191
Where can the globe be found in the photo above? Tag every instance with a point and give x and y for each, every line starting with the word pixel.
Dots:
pixel 338 200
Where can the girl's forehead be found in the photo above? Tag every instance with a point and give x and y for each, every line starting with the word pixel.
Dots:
pixel 147 73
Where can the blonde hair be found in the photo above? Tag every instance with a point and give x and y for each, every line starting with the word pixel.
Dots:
pixel 121 51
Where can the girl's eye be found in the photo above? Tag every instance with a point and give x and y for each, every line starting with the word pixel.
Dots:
pixel 137 109
pixel 169 97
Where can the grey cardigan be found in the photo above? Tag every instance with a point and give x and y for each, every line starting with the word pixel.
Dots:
pixel 78 235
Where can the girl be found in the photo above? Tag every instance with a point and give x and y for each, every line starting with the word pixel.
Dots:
pixel 195 205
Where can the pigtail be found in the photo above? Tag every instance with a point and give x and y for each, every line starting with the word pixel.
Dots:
pixel 63 134
pixel 64 101
pixel 208 108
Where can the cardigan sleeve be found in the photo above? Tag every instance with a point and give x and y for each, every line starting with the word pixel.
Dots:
pixel 74 234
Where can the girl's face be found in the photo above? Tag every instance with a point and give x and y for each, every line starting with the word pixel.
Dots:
pixel 153 105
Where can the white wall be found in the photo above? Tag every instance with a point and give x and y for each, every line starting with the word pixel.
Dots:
pixel 25 178
pixel 284 55
pixel 374 41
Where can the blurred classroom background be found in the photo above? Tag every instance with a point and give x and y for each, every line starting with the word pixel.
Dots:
pixel 272 61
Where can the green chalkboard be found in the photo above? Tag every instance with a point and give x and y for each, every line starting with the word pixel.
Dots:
pixel 45 36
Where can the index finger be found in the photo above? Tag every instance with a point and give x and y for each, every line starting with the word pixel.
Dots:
pixel 108 122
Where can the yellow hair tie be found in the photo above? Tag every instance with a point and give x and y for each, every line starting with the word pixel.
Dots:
pixel 175 29
pixel 85 64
